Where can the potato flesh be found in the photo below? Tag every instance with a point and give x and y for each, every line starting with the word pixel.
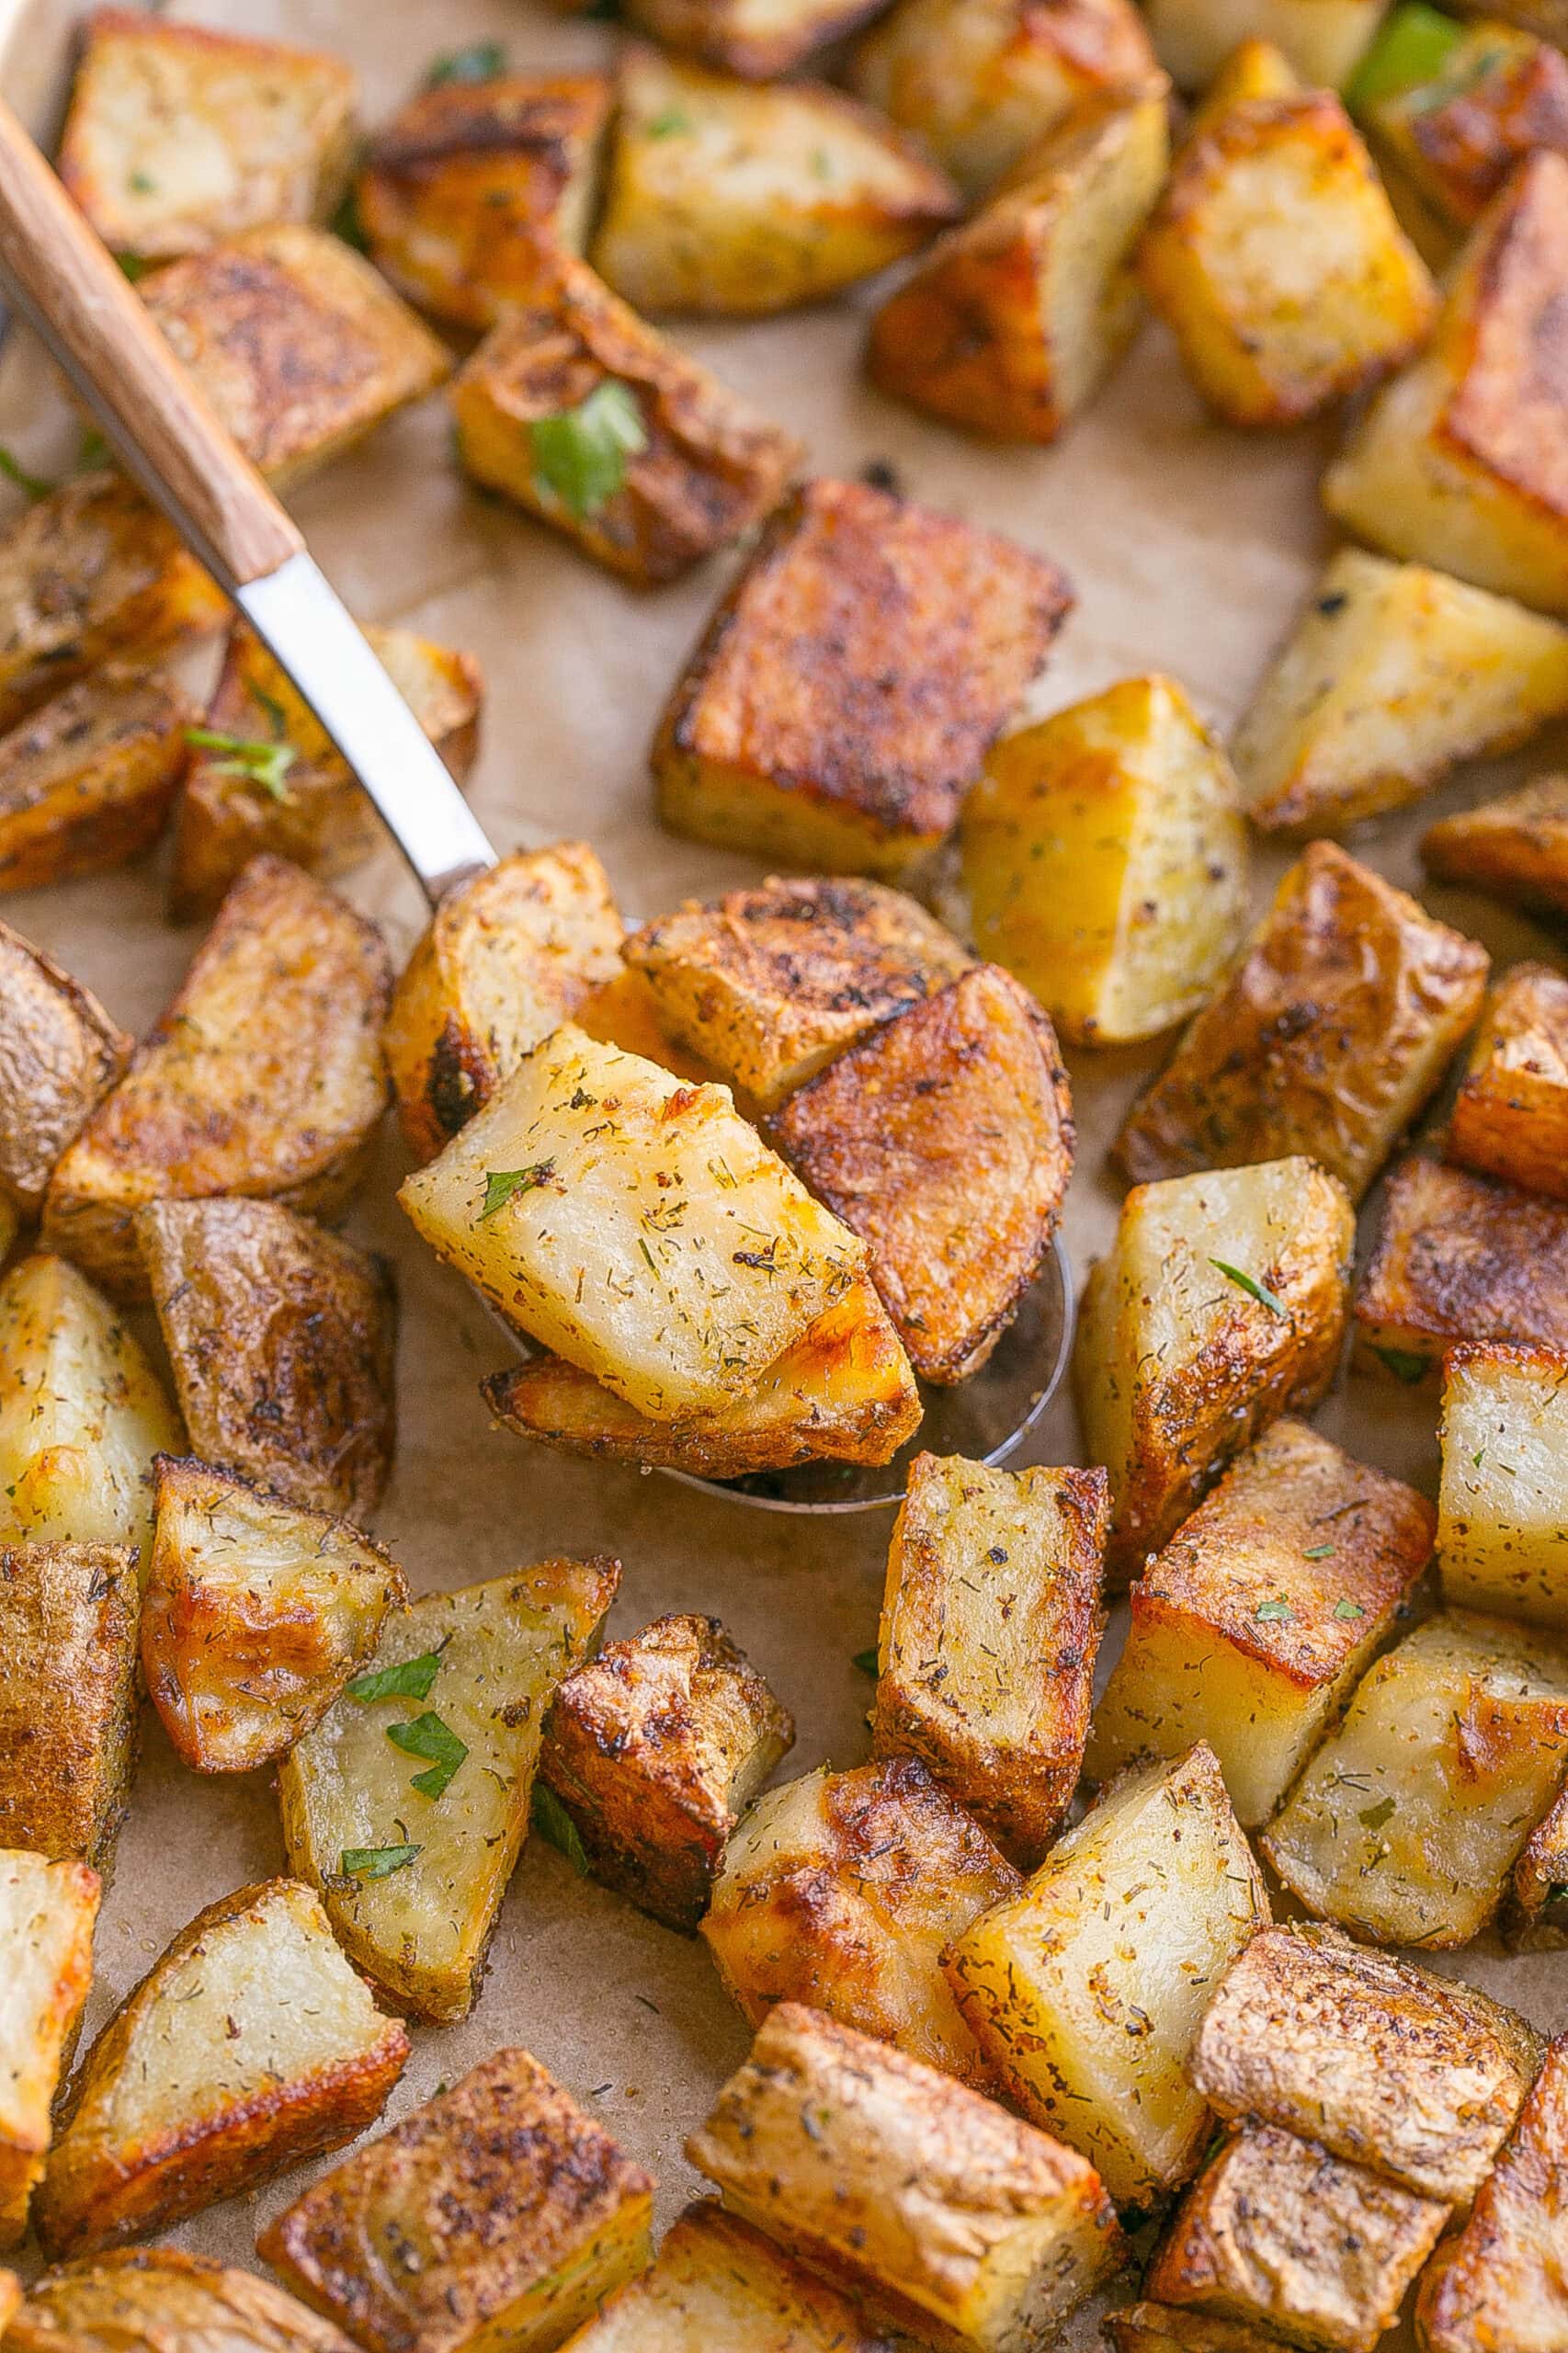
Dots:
pixel 60 1053
pixel 1503 1504
pixel 1510 1117
pixel 1499 2281
pixel 47 1912
pixel 156 2295
pixel 1323 38
pixel 715 2281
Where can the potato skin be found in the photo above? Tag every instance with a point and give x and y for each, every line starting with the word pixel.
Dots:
pixel 1496 2285
pixel 68 1711
pixel 60 1054
pixel 1536 1916
pixel 717 2281
pixel 87 782
pixel 1459 134
pixel 1510 1117
pixel 47 1913
pixel 757 40
pixel 129 2300
pixel 1458 1257
pixel 1515 847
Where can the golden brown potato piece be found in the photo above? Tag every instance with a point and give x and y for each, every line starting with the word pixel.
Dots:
pixel 68 1707
pixel 1503 1503
pixel 990 1628
pixel 87 784
pixel 155 2300
pixel 767 985
pixel 1012 322
pixel 848 688
pixel 655 1750
pixel 1515 847
pixel 47 1910
pixel 254 1615
pixel 458 186
pixel 60 1053
pixel 278 785
pixel 1418 2077
pixel 1462 461
pixel 1455 133
pixel 89 572
pixel 760 39
pixel 297 344
pixel 944 1138
pixel 1332 1033
pixel 952 2218
pixel 179 134
pixel 1510 1117
pixel 1498 2282
pixel 1321 40
pixel 581 413
pixel 623 1011
pixel 715 2281
pixel 264 1077
pixel 1165 2328
pixel 511 2212
pixel 1537 1914
pixel 249 2045
pixel 736 201
pixel 846 1888
pixel 1458 1257
pixel 282 1340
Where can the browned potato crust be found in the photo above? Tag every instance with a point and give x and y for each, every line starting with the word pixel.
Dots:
pixel 47 1913
pixel 1458 1257
pixel 282 1339
pixel 264 1077
pixel 1499 2286
pixel 759 39
pixel 1334 1028
pixel 944 1138
pixel 1166 2328
pixel 1537 1916
pixel 1515 847
pixel 86 782
pixel 848 687
pixel 68 1717
pixel 60 1053
pixel 1458 133
pixel 1510 1117
pixel 155 2300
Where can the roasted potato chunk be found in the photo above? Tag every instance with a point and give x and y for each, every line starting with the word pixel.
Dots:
pixel 511 2212
pixel 1538 1903
pixel 1332 1033
pixel 595 1199
pixel 301 348
pixel 276 784
pixel 60 1053
pixel 254 1615
pixel 767 985
pixel 264 1077
pixel 459 186
pixel 1462 461
pixel 1458 1257
pixel 282 1339
pixel 954 2220
pixel 850 684
pixel 249 2045
pixel 655 1748
pixel 1510 1117
pixel 68 1717
pixel 1393 674
pixel 990 1629
pixel 1503 1504
pixel 1418 2077
pixel 1255 1622
pixel 1276 2231
pixel 944 1140
pixel 1515 847
pixel 579 412
pixel 623 1011
pixel 1220 1306
pixel 1457 131
pixel 179 134
pixel 757 38
pixel 847 1887
pixel 1128 793
pixel 89 572
pixel 155 2300
pixel 1166 2328
pixel 87 782
pixel 413 1889
pixel 1407 1822
pixel 1498 2281
pixel 47 1910
pixel 1322 39
pixel 716 2282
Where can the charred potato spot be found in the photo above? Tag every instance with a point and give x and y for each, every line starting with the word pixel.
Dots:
pixel 87 784
pixel 137 2296
pixel 68 1714
pixel 60 1054
pixel 1510 1117
pixel 47 1912
pixel 716 2281
pixel 1458 1257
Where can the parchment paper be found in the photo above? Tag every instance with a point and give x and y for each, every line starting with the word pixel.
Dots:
pixel 1190 548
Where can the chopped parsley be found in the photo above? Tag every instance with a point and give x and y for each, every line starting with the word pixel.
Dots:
pixel 428 1735
pixel 1253 1287
pixel 1348 1609
pixel 667 124
pixel 410 1679
pixel 1318 1552
pixel 1280 1610
pixel 501 1185
pixel 580 454
pixel 31 485
pixel 1404 1363
pixel 376 1862
pixel 266 764
pixel 552 1821
pixel 866 1660
pixel 1374 1817
pixel 482 61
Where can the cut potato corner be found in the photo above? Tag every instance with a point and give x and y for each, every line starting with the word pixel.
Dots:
pixel 717 2283
pixel 60 1054
pixel 132 2300
pixel 47 1914
pixel 1318 41
pixel 1510 1116
pixel 1458 1257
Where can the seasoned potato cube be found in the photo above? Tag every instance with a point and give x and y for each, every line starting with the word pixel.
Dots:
pixel 1498 2281
pixel 1462 461
pixel 1457 131
pixel 412 1889
pixel 1126 790
pixel 1515 847
pixel 1458 1257
pixel 68 1726
pixel 87 784
pixel 179 134
pixel 624 1012
pixel 1257 1621
pixel 264 1077
pixel 991 1626
pixel 1255 68
pixel 1322 39
pixel 155 2300
pixel 47 1910
pixel 1416 2077
pixel 847 1887
pixel 1408 1820
pixel 249 2045
pixel 983 81
pixel 1392 675
pixel 944 1138
pixel 1503 1504
pixel 1334 1031
pixel 254 1615
pixel 759 39
pixel 278 785
pixel 1538 1903
pixel 457 188
pixel 1166 2328
pixel 85 572
pixel 579 412
pixel 955 2220
pixel 60 1053
pixel 635 1226
pixel 510 2211
pixel 849 686
pixel 282 1339
pixel 716 2282
pixel 844 1392
pixel 1277 2230
pixel 82 1413
pixel 1221 1305
pixel 654 1749
pixel 1510 1117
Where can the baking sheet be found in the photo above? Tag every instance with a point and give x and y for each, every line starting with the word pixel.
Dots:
pixel 1190 547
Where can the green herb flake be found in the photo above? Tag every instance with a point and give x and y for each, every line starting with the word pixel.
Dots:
pixel 501 1185
pixel 1253 1287
pixel 553 1823
pixel 1374 1817
pixel 142 184
pixel 1404 1365
pixel 376 1862
pixel 31 485
pixel 1319 1551
pixel 1479 1457
pixel 265 764
pixel 580 454
pixel 667 125
pixel 482 61
pixel 866 1661
pixel 348 223
pixel 410 1679
pixel 428 1736
pixel 93 449
pixel 1280 1611
pixel 1348 1609
pixel 133 266
pixel 1414 46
